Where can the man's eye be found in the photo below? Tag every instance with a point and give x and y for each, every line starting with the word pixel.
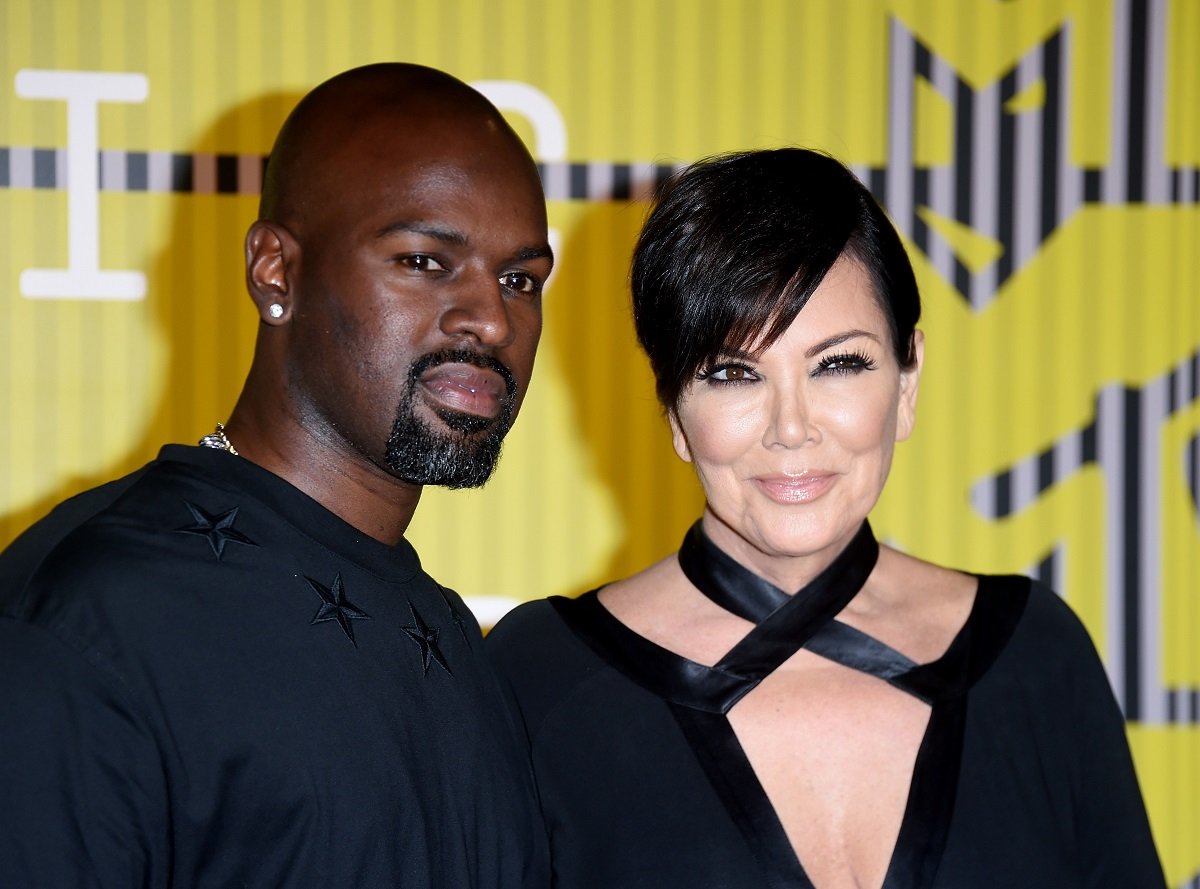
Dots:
pixel 521 282
pixel 421 262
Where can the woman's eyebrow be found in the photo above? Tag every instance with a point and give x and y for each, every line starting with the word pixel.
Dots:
pixel 837 339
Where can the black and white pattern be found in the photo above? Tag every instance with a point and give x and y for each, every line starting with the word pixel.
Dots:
pixel 1124 440
pixel 1011 181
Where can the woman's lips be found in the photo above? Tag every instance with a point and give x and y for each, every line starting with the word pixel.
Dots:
pixel 802 488
pixel 463 388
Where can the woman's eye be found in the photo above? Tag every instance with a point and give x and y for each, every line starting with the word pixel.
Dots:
pixel 848 363
pixel 730 373
pixel 421 262
pixel 521 282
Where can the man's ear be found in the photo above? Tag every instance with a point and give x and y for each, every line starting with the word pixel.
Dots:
pixel 910 381
pixel 271 251
pixel 678 439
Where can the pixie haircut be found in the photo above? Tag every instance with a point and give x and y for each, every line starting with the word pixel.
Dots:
pixel 735 246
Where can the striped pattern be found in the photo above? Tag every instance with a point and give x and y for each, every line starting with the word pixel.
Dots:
pixel 134 171
pixel 1011 178
pixel 26 167
pixel 160 171
pixel 1192 461
pixel 1124 441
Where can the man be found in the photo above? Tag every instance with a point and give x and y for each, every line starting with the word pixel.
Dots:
pixel 229 669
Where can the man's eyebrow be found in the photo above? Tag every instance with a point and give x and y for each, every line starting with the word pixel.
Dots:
pixel 836 340
pixel 453 236
pixel 542 251
pixel 437 232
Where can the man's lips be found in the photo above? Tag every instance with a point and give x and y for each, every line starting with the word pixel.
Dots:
pixel 802 488
pixel 464 388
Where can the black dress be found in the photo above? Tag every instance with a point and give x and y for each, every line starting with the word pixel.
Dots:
pixel 1023 778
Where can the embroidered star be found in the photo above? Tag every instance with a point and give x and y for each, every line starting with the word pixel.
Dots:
pixel 217 529
pixel 455 616
pixel 426 638
pixel 335 606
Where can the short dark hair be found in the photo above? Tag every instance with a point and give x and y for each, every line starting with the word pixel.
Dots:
pixel 735 246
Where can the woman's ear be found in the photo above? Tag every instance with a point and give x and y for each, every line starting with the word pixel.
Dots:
pixel 678 439
pixel 910 382
pixel 270 252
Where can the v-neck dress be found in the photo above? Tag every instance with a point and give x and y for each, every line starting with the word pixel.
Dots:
pixel 1023 777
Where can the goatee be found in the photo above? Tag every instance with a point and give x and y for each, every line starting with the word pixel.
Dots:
pixel 465 454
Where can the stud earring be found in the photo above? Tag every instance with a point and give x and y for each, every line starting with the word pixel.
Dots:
pixel 275 310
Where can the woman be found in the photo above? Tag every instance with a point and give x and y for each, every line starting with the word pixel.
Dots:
pixel 784 702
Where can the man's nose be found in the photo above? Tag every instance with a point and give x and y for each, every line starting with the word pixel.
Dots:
pixel 478 309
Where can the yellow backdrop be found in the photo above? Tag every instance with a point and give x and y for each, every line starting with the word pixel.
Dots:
pixel 1040 156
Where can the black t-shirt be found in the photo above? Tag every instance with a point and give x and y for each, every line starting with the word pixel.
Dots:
pixel 209 680
pixel 1024 778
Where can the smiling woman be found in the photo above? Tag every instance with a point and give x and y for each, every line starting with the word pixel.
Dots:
pixel 809 420
pixel 785 702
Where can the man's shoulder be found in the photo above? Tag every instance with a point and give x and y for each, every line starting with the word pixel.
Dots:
pixel 99 551
pixel 40 543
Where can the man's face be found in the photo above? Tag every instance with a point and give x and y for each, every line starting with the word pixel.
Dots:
pixel 418 298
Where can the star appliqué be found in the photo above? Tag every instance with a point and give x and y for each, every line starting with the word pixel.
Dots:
pixel 216 529
pixel 455 616
pixel 335 606
pixel 426 638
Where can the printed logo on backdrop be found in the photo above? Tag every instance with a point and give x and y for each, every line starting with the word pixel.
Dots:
pixel 83 91
pixel 84 171
pixel 980 219
pixel 1010 139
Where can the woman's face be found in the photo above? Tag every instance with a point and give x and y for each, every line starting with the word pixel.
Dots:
pixel 793 446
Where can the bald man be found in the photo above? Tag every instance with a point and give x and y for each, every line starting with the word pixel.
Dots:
pixel 229 669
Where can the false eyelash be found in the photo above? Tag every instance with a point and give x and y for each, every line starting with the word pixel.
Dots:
pixel 846 363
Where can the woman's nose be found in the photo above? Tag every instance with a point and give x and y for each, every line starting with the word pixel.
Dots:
pixel 791 424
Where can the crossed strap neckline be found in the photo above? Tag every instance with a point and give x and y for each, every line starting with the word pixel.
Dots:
pixel 700 696
pixel 787 622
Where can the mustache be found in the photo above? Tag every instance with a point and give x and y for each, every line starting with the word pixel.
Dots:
pixel 463 356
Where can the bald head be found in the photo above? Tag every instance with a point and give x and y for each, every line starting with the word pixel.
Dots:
pixel 369 106
pixel 397 269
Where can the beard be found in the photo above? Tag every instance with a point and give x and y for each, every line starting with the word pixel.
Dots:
pixel 464 455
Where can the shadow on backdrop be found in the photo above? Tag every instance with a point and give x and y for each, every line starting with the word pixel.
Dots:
pixel 195 294
pixel 589 328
